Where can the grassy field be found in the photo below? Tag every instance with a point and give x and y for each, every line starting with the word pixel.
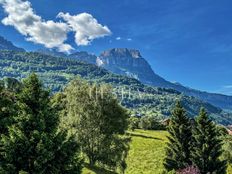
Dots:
pixel 146 154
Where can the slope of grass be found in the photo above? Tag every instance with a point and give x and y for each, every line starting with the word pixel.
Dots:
pixel 147 152
pixel 146 155
pixel 229 169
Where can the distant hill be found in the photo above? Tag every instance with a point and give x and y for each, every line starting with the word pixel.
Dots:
pixel 79 55
pixel 51 52
pixel 7 45
pixel 130 62
pixel 56 72
pixel 84 56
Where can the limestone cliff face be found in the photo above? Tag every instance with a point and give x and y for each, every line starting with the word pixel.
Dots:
pixel 129 62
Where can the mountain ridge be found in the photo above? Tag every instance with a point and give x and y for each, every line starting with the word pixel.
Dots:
pixel 7 45
pixel 130 62
pixel 114 64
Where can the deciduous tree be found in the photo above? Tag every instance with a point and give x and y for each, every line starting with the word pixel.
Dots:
pixel 99 122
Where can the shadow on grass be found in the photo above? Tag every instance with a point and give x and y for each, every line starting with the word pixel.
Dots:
pixel 143 136
pixel 98 170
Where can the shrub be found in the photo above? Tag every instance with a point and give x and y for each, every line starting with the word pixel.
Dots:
pixel 150 123
pixel 133 123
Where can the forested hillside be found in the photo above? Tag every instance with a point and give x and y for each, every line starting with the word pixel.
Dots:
pixel 140 99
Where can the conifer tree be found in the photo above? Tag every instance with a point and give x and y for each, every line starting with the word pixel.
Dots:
pixel 34 144
pixel 178 147
pixel 7 109
pixel 207 146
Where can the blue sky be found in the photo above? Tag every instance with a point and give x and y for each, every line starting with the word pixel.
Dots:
pixel 185 41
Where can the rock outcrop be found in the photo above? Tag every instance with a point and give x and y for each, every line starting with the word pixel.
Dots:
pixel 129 62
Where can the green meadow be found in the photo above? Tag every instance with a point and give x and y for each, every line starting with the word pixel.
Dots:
pixel 147 152
pixel 146 155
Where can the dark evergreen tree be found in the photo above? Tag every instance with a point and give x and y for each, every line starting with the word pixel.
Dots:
pixel 34 144
pixel 7 112
pixel 178 147
pixel 207 146
pixel 7 109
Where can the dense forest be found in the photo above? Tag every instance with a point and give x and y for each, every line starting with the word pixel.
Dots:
pixel 138 98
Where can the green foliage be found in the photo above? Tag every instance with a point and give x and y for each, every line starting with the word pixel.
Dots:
pixel 12 84
pixel 99 122
pixel 207 146
pixel 227 149
pixel 7 109
pixel 133 123
pixel 150 123
pixel 222 131
pixel 33 143
pixel 179 145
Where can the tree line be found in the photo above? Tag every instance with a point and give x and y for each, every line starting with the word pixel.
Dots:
pixel 194 146
pixel 44 133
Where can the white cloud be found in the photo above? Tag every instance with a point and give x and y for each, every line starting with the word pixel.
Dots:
pixel 118 38
pixel 85 26
pixel 23 18
pixel 49 33
pixel 125 39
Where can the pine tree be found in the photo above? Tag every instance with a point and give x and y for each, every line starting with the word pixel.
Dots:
pixel 178 147
pixel 7 109
pixel 207 146
pixel 34 144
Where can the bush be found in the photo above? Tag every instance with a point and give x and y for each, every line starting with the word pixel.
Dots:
pixel 150 123
pixel 227 149
pixel 133 123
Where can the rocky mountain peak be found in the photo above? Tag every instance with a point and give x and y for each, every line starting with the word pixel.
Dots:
pixel 121 52
pixel 128 62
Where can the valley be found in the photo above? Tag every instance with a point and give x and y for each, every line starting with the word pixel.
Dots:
pixel 56 72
